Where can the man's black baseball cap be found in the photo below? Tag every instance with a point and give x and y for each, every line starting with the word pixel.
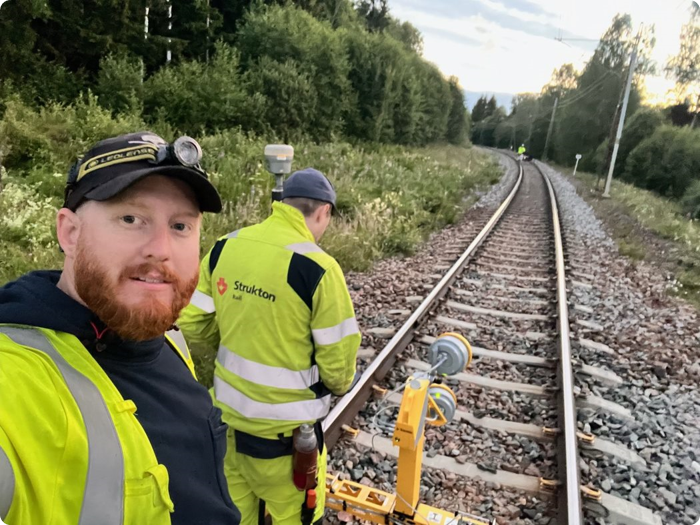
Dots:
pixel 114 164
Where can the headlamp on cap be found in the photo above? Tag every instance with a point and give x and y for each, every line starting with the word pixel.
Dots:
pixel 185 151
pixel 113 164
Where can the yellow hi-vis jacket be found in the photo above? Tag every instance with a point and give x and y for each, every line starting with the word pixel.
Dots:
pixel 80 456
pixel 521 150
pixel 277 308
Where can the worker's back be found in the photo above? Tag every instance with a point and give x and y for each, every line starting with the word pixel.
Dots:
pixel 270 281
pixel 278 310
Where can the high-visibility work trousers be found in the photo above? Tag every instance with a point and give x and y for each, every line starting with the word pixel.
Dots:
pixel 270 480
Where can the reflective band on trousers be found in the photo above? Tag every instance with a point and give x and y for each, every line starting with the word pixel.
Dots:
pixel 308 410
pixel 335 334
pixel 304 247
pixel 103 496
pixel 203 301
pixel 267 375
pixel 7 484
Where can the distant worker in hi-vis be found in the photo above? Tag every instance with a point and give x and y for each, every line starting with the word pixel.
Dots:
pixel 277 308
pixel 102 420
pixel 521 152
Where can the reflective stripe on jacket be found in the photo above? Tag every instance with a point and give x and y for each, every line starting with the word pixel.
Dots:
pixel 71 448
pixel 277 309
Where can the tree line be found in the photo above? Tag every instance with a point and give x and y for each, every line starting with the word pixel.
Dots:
pixel 317 68
pixel 660 146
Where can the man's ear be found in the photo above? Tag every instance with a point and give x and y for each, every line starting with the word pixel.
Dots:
pixel 68 230
pixel 319 214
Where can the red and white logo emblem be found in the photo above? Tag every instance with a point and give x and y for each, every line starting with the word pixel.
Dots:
pixel 221 286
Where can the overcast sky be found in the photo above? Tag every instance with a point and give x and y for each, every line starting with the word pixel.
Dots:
pixel 509 45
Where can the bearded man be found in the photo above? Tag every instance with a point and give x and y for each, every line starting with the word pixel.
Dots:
pixel 102 420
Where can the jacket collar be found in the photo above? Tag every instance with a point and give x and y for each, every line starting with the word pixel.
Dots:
pixel 293 217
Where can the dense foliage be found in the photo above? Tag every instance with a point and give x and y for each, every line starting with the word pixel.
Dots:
pixel 391 196
pixel 314 68
pixel 666 162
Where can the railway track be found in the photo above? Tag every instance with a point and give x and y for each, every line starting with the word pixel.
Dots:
pixel 504 286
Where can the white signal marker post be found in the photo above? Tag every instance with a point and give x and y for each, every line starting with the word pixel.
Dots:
pixel 578 157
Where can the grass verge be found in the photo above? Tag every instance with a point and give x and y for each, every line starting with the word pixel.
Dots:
pixel 391 198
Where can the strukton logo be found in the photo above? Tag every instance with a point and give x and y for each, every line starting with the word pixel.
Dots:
pixel 253 290
pixel 221 286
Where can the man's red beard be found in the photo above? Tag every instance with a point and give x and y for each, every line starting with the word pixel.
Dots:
pixel 146 320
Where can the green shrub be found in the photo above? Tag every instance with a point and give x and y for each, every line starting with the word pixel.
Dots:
pixel 436 102
pixel 691 200
pixel 484 131
pixel 56 134
pixel 373 58
pixel 27 237
pixel 406 110
pixel 641 125
pixel 26 217
pixel 196 96
pixel 120 84
pixel 503 135
pixel 401 98
pixel 52 82
pixel 458 118
pixel 667 162
pixel 287 33
pixel 600 158
pixel 290 100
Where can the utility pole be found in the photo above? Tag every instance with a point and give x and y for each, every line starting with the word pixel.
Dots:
pixel 208 21
pixel 145 37
pixel 621 124
pixel 168 54
pixel 615 124
pixel 549 131
pixel 611 139
pixel 145 25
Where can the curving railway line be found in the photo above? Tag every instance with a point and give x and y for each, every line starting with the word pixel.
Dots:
pixel 515 427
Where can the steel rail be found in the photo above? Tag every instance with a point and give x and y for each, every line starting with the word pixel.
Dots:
pixel 350 404
pixel 570 509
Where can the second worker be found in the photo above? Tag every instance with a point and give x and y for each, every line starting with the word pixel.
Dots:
pixel 277 308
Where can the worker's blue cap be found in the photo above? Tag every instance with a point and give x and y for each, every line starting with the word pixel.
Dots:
pixel 311 184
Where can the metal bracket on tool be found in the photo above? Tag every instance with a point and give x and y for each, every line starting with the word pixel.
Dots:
pixel 423 403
